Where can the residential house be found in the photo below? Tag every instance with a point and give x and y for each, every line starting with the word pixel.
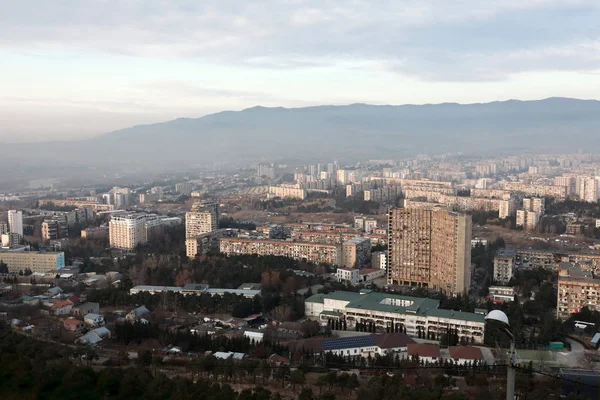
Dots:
pixel 465 354
pixel 429 353
pixel 277 360
pixel 95 336
pixel 93 319
pixel 62 307
pixel 86 308
pixel 74 325
pixel 136 314
pixel 53 291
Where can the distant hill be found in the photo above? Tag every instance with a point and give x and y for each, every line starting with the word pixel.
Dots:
pixel 356 131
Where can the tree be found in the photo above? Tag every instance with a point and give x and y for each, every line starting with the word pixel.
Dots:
pixel 3 268
pixel 306 394
pixel 297 378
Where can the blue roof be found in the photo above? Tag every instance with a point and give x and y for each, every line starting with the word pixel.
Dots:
pixel 348 343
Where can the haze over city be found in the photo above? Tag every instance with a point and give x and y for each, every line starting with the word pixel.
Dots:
pixel 77 69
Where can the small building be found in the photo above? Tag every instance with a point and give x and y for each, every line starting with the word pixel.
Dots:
pixel 389 343
pixel 574 229
pixel 62 307
pixel 429 353
pixel 501 294
pixel 93 319
pixel 277 360
pixel 73 325
pixel 255 336
pixel 86 308
pixel 137 313
pixel 349 275
pixel 367 275
pixel 95 336
pixel 351 346
pixel 53 291
pixel 465 354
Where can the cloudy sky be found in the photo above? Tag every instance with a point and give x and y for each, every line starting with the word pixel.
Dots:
pixel 76 68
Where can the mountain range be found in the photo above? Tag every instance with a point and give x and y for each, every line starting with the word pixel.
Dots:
pixel 351 132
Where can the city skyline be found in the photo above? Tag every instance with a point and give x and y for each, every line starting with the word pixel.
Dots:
pixel 78 71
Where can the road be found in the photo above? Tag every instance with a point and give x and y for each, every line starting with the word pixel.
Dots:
pixel 571 358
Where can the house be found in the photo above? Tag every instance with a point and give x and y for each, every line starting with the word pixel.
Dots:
pixel 62 307
pixel 229 355
pixel 429 353
pixel 93 319
pixel 465 354
pixel 595 342
pixel 254 336
pixel 94 336
pixel 389 343
pixel 276 359
pixel 74 300
pixel 351 346
pixel 53 291
pixel 73 325
pixel 137 313
pixel 86 308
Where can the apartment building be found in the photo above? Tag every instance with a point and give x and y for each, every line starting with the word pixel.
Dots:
pixel 266 170
pixel 529 220
pixel 429 248
pixel 535 204
pixel 15 221
pixel 50 230
pixel 95 206
pixel 418 316
pixel 356 252
pixel 95 233
pixel 587 188
pixel 350 275
pixel 184 188
pixel 506 208
pixel 288 192
pixel 127 231
pixel 342 176
pixel 4 228
pixel 321 236
pixel 203 218
pixel 379 260
pixel 501 294
pixel 567 182
pixel 576 289
pixel 382 195
pixel 504 265
pixel 311 252
pixel 205 242
pixel 491 193
pixel 146 198
pixel 40 262
pixel 558 192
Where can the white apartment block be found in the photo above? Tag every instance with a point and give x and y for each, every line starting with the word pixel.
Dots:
pixel 342 176
pixel 203 218
pixel 529 220
pixel 127 231
pixel 506 208
pixel 15 221
pixel 587 188
pixel 535 204
pixel 379 260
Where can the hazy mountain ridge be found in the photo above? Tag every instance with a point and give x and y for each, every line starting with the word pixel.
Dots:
pixel 342 132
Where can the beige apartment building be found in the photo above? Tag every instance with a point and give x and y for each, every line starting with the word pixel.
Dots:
pixel 429 248
pixel 50 230
pixel 576 289
pixel 506 208
pixel 558 192
pixel 127 231
pixel 203 218
pixel 95 206
pixel 40 262
pixel 356 252
pixel 288 192
pixel 311 252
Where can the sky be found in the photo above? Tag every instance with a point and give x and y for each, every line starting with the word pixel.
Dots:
pixel 71 69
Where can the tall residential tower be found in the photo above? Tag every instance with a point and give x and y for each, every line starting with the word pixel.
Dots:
pixel 429 248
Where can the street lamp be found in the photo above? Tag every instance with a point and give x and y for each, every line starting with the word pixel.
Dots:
pixel 497 319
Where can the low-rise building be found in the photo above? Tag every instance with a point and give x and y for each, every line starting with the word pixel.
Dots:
pixel 74 325
pixel 349 275
pixel 36 261
pixel 500 294
pixel 417 317
pixel 426 352
pixel 367 275
pixel 463 355
pixel 379 260
pixel 86 308
pixel 93 319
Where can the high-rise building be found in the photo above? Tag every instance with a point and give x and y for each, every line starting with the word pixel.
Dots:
pixel 535 204
pixel 203 218
pixel 342 176
pixel 429 248
pixel 127 231
pixel 15 221
pixel 506 208
pixel 108 198
pixel 576 289
pixel 587 188
pixel 184 188
pixel 50 230
pixel 3 228
pixel 266 170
